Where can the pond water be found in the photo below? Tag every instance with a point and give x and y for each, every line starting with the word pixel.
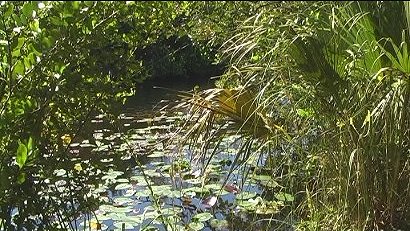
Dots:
pixel 141 178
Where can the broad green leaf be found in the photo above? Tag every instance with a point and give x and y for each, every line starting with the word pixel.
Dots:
pixel 21 157
pixel 245 195
pixel 19 68
pixel 28 9
pixel 219 224
pixel 126 225
pixel 196 226
pixel 284 197
pixel 21 177
pixel 29 145
pixel 202 217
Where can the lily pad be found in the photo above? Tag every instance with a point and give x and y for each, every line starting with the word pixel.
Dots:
pixel 171 211
pixel 284 197
pixel 270 207
pixel 126 225
pixel 152 173
pixel 219 224
pixel 60 172
pixel 196 226
pixel 123 186
pixel 120 201
pixel 202 217
pixel 270 184
pixel 262 177
pixel 215 187
pixel 121 211
pixel 245 195
pixel 107 160
pixel 156 155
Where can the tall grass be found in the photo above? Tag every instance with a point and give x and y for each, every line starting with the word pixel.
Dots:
pixel 335 79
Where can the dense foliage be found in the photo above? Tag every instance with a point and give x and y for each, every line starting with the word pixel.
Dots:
pixel 318 90
pixel 330 82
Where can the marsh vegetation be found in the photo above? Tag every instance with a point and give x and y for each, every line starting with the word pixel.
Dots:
pixel 299 119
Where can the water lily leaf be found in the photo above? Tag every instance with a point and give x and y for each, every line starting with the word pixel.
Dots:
pixel 162 190
pixel 118 216
pixel 213 186
pixel 140 180
pixel 102 217
pixel 284 197
pixel 174 226
pixel 136 137
pixel 194 181
pixel 136 219
pixel 196 226
pixel 143 193
pixel 194 189
pixel 122 209
pixel 268 210
pixel 219 224
pixel 248 204
pixel 60 172
pixel 126 225
pixel 122 180
pixel 245 195
pixel 171 211
pixel 123 186
pixel 270 184
pixel 106 208
pixel 107 160
pixel 165 167
pixel 152 173
pixel 101 189
pixel 262 177
pixel 121 201
pixel 153 228
pixel 129 193
pixel 156 154
pixel 152 214
pixel 174 193
pixel 86 145
pixel 202 217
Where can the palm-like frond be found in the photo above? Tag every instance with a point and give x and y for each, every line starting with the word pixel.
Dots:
pixel 350 67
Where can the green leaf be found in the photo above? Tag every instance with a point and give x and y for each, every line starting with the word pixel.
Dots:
pixel 245 195
pixel 123 186
pixel 21 155
pixel 196 226
pixel 219 224
pixel 9 11
pixel 28 9
pixel 202 217
pixel 125 225
pixel 35 26
pixel 284 197
pixel 21 177
pixel 29 146
pixel 19 68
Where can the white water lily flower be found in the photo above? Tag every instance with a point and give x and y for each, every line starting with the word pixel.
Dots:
pixel 209 201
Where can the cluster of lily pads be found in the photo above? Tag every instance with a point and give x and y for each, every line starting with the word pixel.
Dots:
pixel 147 185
